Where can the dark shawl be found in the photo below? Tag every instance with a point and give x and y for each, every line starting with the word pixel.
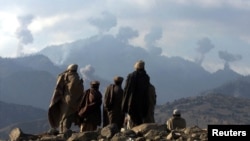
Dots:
pixel 135 99
pixel 90 107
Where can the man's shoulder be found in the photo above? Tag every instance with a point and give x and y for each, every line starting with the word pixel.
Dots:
pixel 61 74
pixel 132 73
pixel 183 119
pixel 87 91
pixel 171 118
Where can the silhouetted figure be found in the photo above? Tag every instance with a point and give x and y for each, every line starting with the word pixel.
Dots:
pixel 66 99
pixel 135 100
pixel 90 108
pixel 112 102
pixel 176 121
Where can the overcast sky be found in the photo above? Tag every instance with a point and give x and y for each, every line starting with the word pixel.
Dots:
pixel 209 32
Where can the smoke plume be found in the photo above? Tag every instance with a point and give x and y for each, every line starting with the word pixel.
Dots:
pixel 87 72
pixel 23 33
pixel 88 75
pixel 228 57
pixel 204 46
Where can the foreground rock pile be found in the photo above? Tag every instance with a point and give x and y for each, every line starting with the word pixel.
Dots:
pixel 144 132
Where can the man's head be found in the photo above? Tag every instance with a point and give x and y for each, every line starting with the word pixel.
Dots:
pixel 176 112
pixel 72 67
pixel 95 84
pixel 118 80
pixel 139 65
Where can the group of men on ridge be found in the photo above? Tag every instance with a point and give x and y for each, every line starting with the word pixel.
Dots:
pixel 71 103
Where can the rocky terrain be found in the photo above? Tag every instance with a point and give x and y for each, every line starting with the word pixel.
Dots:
pixel 144 132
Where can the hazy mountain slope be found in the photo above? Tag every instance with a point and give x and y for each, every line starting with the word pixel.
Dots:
pixel 33 88
pixel 39 62
pixel 29 118
pixel 9 66
pixel 27 63
pixel 11 113
pixel 212 108
pixel 28 80
pixel 238 88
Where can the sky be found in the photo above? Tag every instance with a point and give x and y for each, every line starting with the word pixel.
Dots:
pixel 209 32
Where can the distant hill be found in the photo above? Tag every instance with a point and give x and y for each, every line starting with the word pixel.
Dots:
pixel 211 108
pixel 30 87
pixel 28 80
pixel 27 63
pixel 237 88
pixel 13 115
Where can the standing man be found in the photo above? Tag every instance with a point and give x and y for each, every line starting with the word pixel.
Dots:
pixel 176 121
pixel 66 99
pixel 112 102
pixel 135 100
pixel 90 108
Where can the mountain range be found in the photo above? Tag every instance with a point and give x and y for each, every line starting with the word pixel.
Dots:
pixel 30 80
pixel 27 82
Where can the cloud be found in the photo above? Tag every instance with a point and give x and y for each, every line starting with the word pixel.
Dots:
pixel 154 35
pixel 182 23
pixel 151 38
pixel 126 33
pixel 104 23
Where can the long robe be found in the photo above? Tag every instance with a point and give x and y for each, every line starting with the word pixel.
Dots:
pixel 112 103
pixel 68 93
pixel 135 100
pixel 90 109
pixel 151 104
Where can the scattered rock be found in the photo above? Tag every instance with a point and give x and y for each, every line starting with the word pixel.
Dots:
pixel 144 132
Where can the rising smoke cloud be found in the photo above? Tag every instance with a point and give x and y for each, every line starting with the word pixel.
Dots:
pixel 204 46
pixel 23 34
pixel 88 75
pixel 87 72
pixel 228 57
